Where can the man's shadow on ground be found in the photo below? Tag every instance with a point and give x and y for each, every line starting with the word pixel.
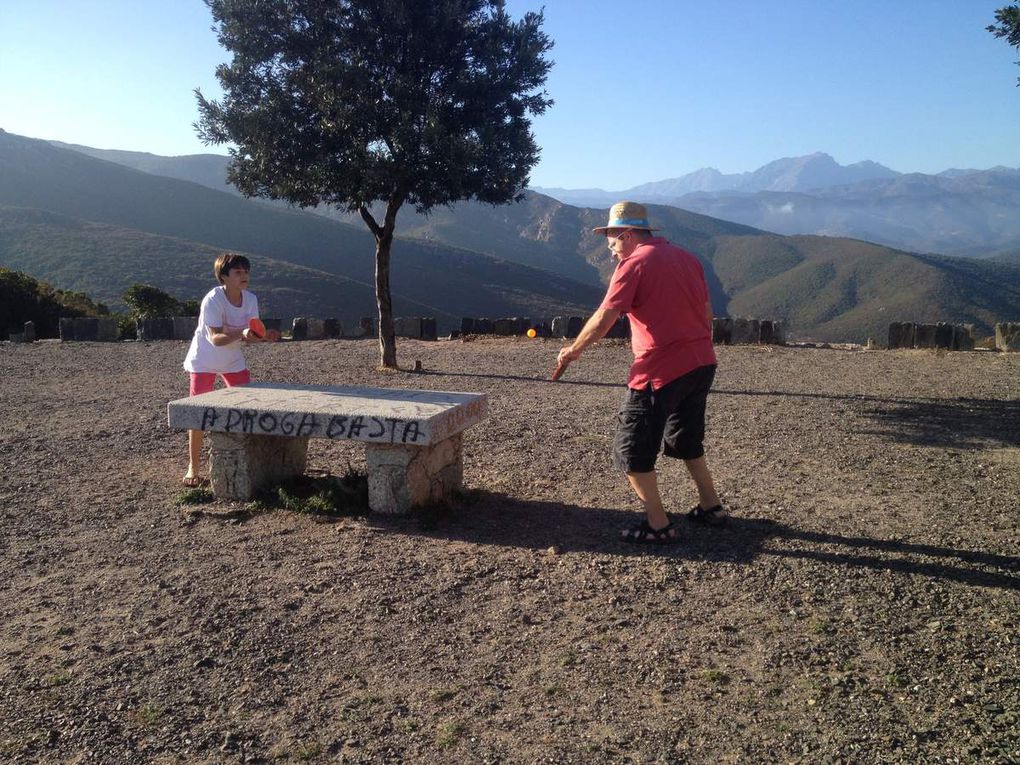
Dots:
pixel 495 519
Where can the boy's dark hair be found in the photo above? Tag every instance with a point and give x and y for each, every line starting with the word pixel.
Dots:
pixel 229 260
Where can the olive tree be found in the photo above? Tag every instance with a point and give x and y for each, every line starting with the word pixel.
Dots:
pixel 351 102
pixel 1008 26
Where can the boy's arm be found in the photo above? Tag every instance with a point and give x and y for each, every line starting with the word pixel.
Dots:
pixel 220 336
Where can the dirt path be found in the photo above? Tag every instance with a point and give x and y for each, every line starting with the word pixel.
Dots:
pixel 863 606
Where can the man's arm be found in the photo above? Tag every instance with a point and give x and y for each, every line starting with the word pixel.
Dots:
pixel 594 330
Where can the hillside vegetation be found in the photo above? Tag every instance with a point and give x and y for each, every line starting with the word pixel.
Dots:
pixel 535 258
pixel 443 281
pixel 24 299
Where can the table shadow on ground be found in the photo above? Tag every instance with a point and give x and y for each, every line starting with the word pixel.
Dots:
pixel 495 519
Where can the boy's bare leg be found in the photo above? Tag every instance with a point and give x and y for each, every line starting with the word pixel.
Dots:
pixel 707 496
pixel 194 454
pixel 646 486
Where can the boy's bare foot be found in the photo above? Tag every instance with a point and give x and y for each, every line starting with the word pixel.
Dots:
pixel 193 481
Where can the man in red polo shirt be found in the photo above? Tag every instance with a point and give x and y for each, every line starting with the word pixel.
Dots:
pixel 661 287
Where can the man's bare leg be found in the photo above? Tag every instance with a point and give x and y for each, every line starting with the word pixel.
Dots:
pixel 702 476
pixel 646 486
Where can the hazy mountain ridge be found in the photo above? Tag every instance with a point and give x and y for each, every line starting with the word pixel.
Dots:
pixel 825 288
pixel 970 213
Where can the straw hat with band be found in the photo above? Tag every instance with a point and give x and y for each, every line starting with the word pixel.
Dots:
pixel 626 215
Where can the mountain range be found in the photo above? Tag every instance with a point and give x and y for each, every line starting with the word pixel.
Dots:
pixel 967 213
pixel 97 221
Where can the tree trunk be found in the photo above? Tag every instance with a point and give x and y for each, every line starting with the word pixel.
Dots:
pixel 387 340
pixel 383 242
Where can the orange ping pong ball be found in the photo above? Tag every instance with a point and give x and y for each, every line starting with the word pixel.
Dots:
pixel 532 332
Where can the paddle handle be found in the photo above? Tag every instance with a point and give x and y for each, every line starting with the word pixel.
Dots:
pixel 561 367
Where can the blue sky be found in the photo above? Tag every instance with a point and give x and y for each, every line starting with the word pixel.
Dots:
pixel 644 90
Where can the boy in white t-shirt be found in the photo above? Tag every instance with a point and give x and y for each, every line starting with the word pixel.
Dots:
pixel 216 346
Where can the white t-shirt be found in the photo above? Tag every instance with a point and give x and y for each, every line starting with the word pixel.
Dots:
pixel 217 311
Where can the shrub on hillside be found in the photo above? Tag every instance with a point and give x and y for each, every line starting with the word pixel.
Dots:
pixel 148 302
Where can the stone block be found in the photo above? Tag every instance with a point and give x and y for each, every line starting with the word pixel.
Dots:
pixel 574 326
pixel 86 329
pixel 963 337
pixel 483 326
pixel 316 329
pixel 16 337
pixel 403 477
pixel 428 328
pixel 902 334
pixel 559 326
pixel 503 327
pixel 521 325
pixel 109 330
pixel 467 326
pixel 353 332
pixel 778 333
pixel 160 328
pixel 407 326
pixel 924 335
pixel 67 330
pixel 741 333
pixel 332 329
pixel 184 327
pixel 722 331
pixel 754 329
pixel 29 332
pixel 1007 336
pixel 542 329
pixel 299 329
pixel 944 335
pixel 240 463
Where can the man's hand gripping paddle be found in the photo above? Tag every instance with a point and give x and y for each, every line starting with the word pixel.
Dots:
pixel 561 367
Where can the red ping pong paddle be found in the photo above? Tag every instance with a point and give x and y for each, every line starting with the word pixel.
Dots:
pixel 561 367
pixel 257 328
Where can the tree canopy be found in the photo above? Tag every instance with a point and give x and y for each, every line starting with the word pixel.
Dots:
pixel 148 302
pixel 350 102
pixel 1008 26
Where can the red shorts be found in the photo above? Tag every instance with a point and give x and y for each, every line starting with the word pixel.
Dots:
pixel 203 382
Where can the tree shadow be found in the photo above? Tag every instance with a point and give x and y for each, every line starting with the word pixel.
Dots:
pixel 488 518
pixel 961 423
pixel 522 378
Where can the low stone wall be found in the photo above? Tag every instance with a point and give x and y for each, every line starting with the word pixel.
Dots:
pixel 90 329
pixel 950 337
pixel 741 331
pixel 1007 336
pixel 559 326
pixel 309 328
pixel 415 327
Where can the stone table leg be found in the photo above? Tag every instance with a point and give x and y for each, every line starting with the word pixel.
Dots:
pixel 242 463
pixel 401 477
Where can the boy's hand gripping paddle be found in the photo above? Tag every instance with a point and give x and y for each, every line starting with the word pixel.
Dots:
pixel 257 328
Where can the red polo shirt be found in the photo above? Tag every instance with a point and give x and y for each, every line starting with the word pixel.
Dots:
pixel 661 287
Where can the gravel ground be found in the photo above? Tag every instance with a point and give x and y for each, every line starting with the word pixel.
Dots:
pixel 862 607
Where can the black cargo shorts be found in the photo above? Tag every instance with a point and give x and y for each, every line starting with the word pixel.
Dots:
pixel 672 417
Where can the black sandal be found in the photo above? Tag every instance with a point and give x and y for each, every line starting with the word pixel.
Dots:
pixel 642 533
pixel 714 516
